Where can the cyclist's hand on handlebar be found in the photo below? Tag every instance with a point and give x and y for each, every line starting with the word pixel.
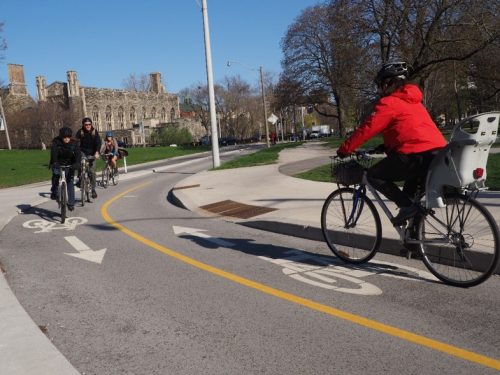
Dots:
pixel 341 154
pixel 380 149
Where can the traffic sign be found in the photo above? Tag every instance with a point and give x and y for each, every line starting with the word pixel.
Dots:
pixel 272 119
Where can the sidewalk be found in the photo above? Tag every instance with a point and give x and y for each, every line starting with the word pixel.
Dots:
pixel 269 198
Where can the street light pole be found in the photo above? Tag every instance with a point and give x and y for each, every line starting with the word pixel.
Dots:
pixel 264 105
pixel 210 82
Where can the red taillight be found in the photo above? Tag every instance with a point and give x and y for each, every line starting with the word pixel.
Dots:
pixel 478 172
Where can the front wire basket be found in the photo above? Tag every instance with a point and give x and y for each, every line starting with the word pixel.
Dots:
pixel 349 170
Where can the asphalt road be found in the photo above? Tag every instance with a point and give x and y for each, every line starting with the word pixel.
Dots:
pixel 176 293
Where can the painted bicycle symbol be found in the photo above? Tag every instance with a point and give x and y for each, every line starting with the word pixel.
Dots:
pixel 45 226
pixel 333 274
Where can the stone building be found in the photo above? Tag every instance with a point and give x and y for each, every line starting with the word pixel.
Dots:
pixel 131 115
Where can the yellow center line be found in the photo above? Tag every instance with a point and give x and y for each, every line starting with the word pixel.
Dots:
pixel 372 324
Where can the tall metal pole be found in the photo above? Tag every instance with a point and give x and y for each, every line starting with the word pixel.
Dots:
pixel 5 124
pixel 211 93
pixel 264 105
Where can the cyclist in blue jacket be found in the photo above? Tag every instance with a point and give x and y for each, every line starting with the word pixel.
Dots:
pixel 110 149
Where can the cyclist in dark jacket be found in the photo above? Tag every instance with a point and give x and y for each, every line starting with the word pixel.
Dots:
pixel 64 151
pixel 411 138
pixel 90 145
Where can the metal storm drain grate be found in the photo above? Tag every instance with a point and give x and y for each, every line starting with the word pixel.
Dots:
pixel 235 209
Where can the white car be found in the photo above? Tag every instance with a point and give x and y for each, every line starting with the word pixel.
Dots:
pixel 314 134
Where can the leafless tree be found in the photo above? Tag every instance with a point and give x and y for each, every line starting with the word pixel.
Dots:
pixel 323 52
pixel 137 83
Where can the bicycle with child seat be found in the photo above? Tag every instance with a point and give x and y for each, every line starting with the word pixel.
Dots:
pixel 85 184
pixel 62 191
pixel 459 243
pixel 108 172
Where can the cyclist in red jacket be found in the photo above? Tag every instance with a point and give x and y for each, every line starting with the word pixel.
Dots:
pixel 411 138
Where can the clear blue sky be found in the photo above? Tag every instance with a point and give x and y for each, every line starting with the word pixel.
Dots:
pixel 105 41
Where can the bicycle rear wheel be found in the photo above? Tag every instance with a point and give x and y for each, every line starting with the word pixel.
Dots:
pixel 105 177
pixel 63 200
pixel 351 225
pixel 461 243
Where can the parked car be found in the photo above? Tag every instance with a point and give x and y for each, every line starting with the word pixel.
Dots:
pixel 227 141
pixel 205 140
pixel 314 134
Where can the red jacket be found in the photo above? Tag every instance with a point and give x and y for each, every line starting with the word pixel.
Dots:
pixel 404 122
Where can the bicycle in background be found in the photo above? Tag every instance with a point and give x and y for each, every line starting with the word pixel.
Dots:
pixel 85 185
pixel 456 235
pixel 109 173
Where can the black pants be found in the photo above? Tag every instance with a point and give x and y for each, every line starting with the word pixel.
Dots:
pixel 411 168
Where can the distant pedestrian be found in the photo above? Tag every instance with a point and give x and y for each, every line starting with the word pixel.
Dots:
pixel 90 145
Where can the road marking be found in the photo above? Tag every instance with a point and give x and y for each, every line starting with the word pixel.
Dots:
pixel 85 252
pixel 323 272
pixel 353 318
pixel 46 226
pixel 198 233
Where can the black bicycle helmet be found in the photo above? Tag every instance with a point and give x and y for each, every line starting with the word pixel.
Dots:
pixel 65 132
pixel 394 69
pixel 86 119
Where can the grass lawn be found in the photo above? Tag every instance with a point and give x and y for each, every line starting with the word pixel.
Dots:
pixel 323 174
pixel 261 157
pixel 20 167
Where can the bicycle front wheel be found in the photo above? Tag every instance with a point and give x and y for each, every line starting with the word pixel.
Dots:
pixel 460 242
pixel 63 201
pixel 351 225
pixel 83 182
pixel 105 177
pixel 86 188
pixel 115 177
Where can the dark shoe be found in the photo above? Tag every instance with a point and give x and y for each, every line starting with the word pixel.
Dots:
pixel 94 194
pixel 53 196
pixel 78 183
pixel 404 214
pixel 71 207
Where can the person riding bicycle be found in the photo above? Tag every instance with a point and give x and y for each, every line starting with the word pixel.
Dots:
pixel 64 151
pixel 90 145
pixel 411 138
pixel 109 149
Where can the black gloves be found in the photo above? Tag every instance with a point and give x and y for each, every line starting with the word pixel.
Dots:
pixel 341 154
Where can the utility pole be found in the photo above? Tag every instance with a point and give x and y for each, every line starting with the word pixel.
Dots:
pixel 5 124
pixel 264 105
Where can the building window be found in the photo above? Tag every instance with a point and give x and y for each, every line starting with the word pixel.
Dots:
pixel 144 114
pixel 120 118
pixel 109 116
pixel 172 115
pixel 132 115
pixel 153 112
pixel 163 115
pixel 95 117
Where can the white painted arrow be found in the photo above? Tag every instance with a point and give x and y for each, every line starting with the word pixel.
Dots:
pixel 198 233
pixel 85 252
